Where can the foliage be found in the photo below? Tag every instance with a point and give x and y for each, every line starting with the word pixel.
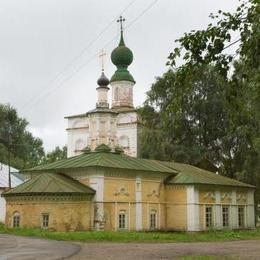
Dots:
pixel 207 111
pixel 55 155
pixel 16 142
pixel 155 237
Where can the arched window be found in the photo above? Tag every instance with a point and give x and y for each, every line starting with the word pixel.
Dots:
pixel 122 221
pixel 124 141
pixel 79 145
pixel 153 219
pixel 16 220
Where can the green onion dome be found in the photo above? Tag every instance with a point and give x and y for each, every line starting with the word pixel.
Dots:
pixel 122 57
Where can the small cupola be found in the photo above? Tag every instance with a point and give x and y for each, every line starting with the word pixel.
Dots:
pixel 102 88
pixel 103 81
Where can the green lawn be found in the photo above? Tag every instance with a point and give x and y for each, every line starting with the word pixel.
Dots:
pixel 135 236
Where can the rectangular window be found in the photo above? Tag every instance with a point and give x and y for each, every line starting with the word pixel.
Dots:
pixel 208 216
pixel 16 221
pixel 45 220
pixel 241 217
pixel 225 216
pixel 122 220
pixel 153 220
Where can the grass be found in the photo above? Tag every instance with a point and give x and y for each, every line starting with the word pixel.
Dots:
pixel 152 237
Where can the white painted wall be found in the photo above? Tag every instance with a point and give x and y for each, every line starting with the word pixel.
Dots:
pixel 250 210
pixel 138 207
pixel 234 211
pixel 2 207
pixel 4 184
pixel 122 94
pixel 78 133
pixel 82 130
pixel 192 208
pixel 127 126
pixel 97 183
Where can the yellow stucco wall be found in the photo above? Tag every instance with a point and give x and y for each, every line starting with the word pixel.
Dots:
pixel 119 189
pixel 119 193
pixel 63 216
pixel 207 196
pixel 176 208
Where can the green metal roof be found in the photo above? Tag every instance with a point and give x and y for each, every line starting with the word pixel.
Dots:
pixel 50 183
pixel 107 159
pixel 103 157
pixel 189 174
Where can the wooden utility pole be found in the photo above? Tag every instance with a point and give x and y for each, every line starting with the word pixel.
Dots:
pixel 8 159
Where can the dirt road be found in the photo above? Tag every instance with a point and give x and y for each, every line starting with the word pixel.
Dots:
pixel 235 250
pixel 24 248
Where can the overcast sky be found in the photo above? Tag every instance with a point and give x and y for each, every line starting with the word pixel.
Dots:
pixel 49 49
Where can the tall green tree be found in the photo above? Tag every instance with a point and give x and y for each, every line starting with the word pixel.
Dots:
pixel 206 111
pixel 187 116
pixel 55 155
pixel 17 144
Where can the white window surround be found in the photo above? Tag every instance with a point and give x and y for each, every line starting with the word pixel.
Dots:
pixel 45 220
pixel 79 145
pixel 122 220
pixel 123 141
pixel 225 216
pixel 16 220
pixel 209 216
pixel 153 219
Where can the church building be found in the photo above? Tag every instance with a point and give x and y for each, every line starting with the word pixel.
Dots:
pixel 115 126
pixel 104 185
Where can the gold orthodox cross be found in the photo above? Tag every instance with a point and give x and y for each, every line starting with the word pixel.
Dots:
pixel 102 57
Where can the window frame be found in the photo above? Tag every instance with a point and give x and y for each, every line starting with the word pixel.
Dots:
pixel 207 214
pixel 122 220
pixel 225 216
pixel 16 220
pixel 44 221
pixel 241 225
pixel 153 220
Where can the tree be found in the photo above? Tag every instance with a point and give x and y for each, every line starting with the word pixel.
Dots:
pixel 190 118
pixel 17 145
pixel 55 155
pixel 208 107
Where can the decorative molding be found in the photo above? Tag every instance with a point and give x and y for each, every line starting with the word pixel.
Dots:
pixel 49 198
pixel 77 128
pixel 153 193
pixel 226 195
pixel 210 195
pixel 175 187
pixel 122 191
pixel 241 197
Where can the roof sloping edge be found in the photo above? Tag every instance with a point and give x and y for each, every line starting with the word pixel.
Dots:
pixel 50 183
pixel 189 174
